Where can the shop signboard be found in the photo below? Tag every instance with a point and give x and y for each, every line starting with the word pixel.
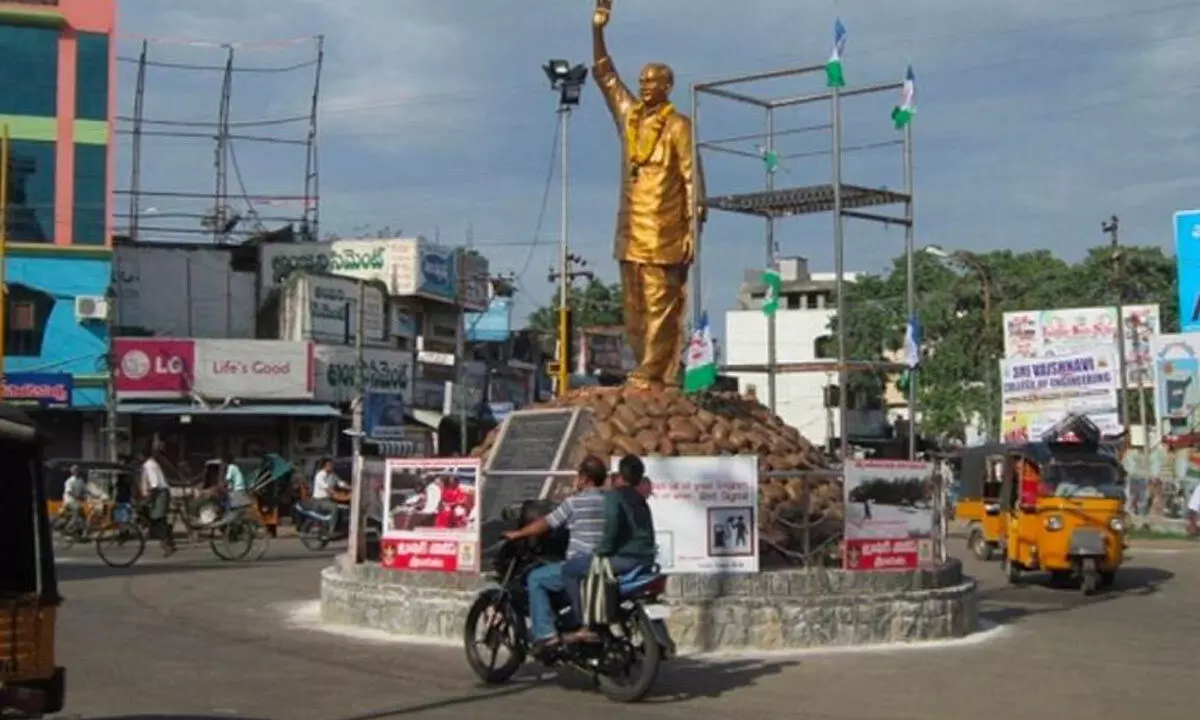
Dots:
pixel 42 390
pixel 476 284
pixel 494 325
pixel 386 260
pixel 437 272
pixel 1038 393
pixel 889 514
pixel 154 368
pixel 254 369
pixel 324 309
pixel 383 415
pixel 1055 333
pixel 431 517
pixel 384 371
pixel 704 513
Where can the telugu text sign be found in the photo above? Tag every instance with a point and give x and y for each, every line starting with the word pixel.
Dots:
pixel 889 514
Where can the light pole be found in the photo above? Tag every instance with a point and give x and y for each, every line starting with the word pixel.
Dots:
pixel 568 81
pixel 972 263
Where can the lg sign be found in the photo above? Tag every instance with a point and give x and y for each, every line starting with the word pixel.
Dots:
pixel 248 369
pixel 152 368
pixel 137 365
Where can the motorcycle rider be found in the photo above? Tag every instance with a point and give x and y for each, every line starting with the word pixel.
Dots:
pixel 325 482
pixel 628 539
pixel 582 514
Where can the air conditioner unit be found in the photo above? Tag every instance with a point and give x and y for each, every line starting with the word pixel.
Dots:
pixel 91 307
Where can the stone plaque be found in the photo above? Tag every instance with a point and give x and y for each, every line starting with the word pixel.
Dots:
pixel 530 440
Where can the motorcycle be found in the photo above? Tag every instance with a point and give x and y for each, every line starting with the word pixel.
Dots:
pixel 639 636
pixel 313 526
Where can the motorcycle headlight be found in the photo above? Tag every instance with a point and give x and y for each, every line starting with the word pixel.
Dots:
pixel 1117 525
pixel 1054 522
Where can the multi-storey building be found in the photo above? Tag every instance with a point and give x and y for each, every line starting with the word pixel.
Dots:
pixel 57 102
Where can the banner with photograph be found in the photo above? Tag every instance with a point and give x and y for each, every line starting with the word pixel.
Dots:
pixel 705 513
pixel 1072 331
pixel 1038 393
pixel 431 518
pixel 1177 386
pixel 889 514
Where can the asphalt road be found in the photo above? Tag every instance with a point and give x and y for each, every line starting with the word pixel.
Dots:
pixel 191 637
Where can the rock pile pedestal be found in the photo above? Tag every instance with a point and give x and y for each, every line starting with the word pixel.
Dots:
pixel 797 497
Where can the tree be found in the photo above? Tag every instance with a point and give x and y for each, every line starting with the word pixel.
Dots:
pixel 598 303
pixel 958 380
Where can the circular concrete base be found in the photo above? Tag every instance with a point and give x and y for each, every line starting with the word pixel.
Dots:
pixel 780 610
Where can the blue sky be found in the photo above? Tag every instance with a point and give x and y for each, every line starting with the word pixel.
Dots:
pixel 1036 120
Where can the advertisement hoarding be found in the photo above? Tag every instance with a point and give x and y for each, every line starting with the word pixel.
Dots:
pixel 1187 260
pixel 889 514
pixel 387 261
pixel 42 390
pixel 324 309
pixel 383 415
pixel 154 368
pixel 1177 390
pixel 1038 393
pixel 705 513
pixel 254 369
pixel 494 325
pixel 384 371
pixel 1055 333
pixel 431 517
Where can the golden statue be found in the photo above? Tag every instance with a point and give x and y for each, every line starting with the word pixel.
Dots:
pixel 655 243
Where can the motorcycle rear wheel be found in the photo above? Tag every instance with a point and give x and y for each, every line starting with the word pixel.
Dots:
pixel 505 627
pixel 636 687
pixel 312 534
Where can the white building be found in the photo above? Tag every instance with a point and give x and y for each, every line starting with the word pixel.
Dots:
pixel 807 304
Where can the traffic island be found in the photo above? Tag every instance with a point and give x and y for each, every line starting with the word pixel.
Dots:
pixel 767 611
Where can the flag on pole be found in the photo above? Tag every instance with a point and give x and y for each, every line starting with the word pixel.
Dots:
pixel 774 283
pixel 912 342
pixel 701 370
pixel 770 158
pixel 903 113
pixel 834 77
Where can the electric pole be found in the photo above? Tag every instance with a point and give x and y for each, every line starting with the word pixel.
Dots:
pixel 1113 228
pixel 566 278
pixel 356 544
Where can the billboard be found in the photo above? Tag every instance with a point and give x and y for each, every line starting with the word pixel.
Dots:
pixel 324 309
pixel 1038 393
pixel 172 368
pixel 889 514
pixel 1177 391
pixel 1187 260
pixel 1069 331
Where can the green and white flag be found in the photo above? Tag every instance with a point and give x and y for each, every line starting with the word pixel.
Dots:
pixel 774 283
pixel 700 372
pixel 903 113
pixel 834 77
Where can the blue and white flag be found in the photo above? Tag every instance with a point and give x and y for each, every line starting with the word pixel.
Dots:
pixel 912 342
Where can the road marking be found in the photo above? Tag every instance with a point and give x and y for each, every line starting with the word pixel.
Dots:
pixel 306 615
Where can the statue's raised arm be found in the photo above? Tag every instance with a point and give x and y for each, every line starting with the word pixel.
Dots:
pixel 616 94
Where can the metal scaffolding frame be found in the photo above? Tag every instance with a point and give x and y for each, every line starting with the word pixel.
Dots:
pixel 221 222
pixel 843 199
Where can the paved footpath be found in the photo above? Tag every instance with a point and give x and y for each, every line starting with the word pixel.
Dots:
pixel 191 637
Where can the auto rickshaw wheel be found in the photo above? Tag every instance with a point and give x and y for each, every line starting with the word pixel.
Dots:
pixel 1108 578
pixel 1091 577
pixel 1012 573
pixel 979 546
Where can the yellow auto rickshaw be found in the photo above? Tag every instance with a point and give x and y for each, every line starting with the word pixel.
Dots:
pixel 980 477
pixel 30 682
pixel 1062 504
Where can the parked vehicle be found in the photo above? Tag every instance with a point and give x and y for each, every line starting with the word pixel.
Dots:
pixel 624 663
pixel 31 683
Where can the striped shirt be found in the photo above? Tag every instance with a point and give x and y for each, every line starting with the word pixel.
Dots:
pixel 583 516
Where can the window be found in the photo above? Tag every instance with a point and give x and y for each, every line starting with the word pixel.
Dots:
pixel 91 79
pixel 91 183
pixel 29 72
pixel 31 191
pixel 825 347
pixel 28 312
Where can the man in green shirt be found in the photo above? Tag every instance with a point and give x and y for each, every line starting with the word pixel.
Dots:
pixel 628 539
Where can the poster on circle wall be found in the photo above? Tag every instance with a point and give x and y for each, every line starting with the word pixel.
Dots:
pixel 431 515
pixel 889 514
pixel 705 513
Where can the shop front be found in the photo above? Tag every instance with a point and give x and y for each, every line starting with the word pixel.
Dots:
pixel 201 399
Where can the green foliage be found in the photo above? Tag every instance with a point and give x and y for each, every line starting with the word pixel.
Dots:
pixel 959 379
pixel 597 303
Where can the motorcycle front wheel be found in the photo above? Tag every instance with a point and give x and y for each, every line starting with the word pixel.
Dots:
pixel 312 534
pixel 631 660
pixel 502 627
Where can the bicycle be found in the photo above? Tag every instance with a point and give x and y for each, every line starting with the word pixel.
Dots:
pixel 111 526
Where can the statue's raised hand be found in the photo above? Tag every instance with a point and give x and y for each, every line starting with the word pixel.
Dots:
pixel 603 10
